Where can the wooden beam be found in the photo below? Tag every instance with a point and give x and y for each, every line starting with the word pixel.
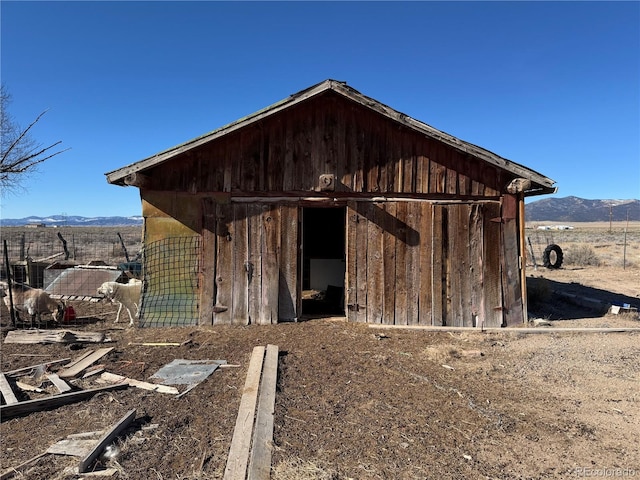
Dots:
pixel 86 362
pixel 154 387
pixel 106 439
pixel 238 459
pixel 60 384
pixel 260 462
pixel 16 409
pixel 139 180
pixel 7 391
pixel 431 328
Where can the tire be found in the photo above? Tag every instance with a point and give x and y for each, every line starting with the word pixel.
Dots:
pixel 552 256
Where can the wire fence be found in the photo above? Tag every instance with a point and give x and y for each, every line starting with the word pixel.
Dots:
pixel 69 264
pixel 171 269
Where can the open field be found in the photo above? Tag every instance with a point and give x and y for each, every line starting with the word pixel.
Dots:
pixel 354 402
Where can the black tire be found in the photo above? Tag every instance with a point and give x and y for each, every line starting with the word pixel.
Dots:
pixel 552 256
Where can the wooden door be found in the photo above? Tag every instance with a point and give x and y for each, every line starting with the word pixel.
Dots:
pixel 251 264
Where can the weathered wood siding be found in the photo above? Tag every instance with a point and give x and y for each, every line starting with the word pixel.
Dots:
pixel 443 249
pixel 252 256
pixel 366 152
pixel 419 263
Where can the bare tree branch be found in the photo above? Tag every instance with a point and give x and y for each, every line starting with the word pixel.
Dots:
pixel 20 155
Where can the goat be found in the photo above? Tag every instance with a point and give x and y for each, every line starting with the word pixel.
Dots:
pixel 34 301
pixel 126 295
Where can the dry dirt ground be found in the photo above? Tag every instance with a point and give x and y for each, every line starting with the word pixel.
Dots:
pixel 355 402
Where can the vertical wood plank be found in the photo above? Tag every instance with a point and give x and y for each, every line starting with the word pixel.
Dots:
pixel 401 265
pixel 425 313
pixel 389 264
pixel 375 277
pixel 254 297
pixel 361 265
pixel 270 270
pixel 454 261
pixel 224 265
pixel 492 270
pixel 511 274
pixel 351 278
pixel 438 260
pixel 413 262
pixel 466 268
pixel 207 265
pixel 476 267
pixel 240 310
pixel 288 289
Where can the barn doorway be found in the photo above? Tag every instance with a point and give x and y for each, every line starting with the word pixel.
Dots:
pixel 323 261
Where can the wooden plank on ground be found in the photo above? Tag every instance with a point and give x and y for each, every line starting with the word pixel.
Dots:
pixel 60 384
pixel 113 378
pixel 54 336
pixel 86 362
pixel 260 462
pixel 7 391
pixel 15 409
pixel 238 459
pixel 76 447
pixel 106 439
pixel 33 367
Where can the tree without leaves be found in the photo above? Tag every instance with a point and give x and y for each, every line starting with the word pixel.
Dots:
pixel 20 154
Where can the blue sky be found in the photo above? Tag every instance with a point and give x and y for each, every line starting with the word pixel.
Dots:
pixel 554 86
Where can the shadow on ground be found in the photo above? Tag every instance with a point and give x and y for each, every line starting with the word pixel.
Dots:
pixel 569 301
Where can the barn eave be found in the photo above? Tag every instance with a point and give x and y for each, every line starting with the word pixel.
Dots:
pixel 540 183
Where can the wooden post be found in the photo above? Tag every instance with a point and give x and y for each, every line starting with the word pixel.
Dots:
pixel 523 256
pixel 8 271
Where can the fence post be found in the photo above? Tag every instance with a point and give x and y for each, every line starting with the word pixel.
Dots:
pixel 8 268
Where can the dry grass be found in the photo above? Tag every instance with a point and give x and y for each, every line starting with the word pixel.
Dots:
pixel 590 243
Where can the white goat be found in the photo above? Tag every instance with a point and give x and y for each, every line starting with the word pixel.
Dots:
pixel 34 301
pixel 124 294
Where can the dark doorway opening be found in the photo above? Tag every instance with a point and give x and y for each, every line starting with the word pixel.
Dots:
pixel 323 261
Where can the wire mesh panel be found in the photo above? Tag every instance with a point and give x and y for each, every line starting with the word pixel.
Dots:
pixel 171 269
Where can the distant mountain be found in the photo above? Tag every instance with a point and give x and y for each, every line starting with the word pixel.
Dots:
pixel 574 209
pixel 72 221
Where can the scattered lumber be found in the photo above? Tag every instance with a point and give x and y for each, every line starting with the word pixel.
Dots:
pixel 28 388
pixel 7 391
pixel 55 336
pixel 105 440
pixel 53 401
pixel 76 445
pixel 260 462
pixel 60 384
pixel 236 468
pixel 87 360
pixel 34 367
pixel 154 387
pixel 252 443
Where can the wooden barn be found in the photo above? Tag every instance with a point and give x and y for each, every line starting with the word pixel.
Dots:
pixel 329 202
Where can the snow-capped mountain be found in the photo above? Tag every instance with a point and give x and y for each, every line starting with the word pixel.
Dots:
pixel 574 209
pixel 72 221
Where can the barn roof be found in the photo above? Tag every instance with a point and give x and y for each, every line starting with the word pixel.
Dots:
pixel 540 183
